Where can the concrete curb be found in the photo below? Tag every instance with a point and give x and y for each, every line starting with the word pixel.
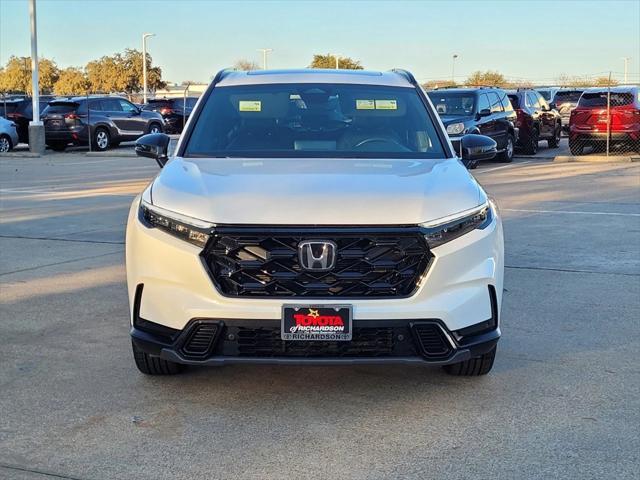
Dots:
pixel 597 159
pixel 21 155
pixel 111 153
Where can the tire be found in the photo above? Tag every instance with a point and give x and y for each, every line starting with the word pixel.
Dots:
pixel 57 146
pixel 473 367
pixel 150 365
pixel 531 148
pixel 507 155
pixel 155 128
pixel 101 139
pixel 575 147
pixel 554 142
pixel 5 143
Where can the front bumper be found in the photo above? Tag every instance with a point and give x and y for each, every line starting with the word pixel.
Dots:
pixel 236 341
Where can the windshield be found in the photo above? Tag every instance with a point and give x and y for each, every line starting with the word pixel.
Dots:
pixel 450 103
pixel 314 120
pixel 599 99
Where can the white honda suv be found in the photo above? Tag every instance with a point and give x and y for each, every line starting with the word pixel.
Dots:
pixel 314 217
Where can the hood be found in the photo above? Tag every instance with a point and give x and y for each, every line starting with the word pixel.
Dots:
pixel 449 119
pixel 315 191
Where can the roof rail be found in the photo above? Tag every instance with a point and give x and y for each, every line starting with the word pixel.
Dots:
pixel 406 74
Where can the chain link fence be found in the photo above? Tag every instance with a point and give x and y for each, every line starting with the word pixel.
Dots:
pixel 605 121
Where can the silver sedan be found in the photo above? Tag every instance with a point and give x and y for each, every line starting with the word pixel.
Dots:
pixel 8 135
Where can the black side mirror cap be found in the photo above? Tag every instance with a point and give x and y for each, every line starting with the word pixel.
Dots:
pixel 154 145
pixel 485 112
pixel 477 148
pixel 552 106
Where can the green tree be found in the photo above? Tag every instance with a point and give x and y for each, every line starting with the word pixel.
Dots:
pixel 72 81
pixel 122 72
pixel 431 84
pixel 16 75
pixel 329 61
pixel 488 78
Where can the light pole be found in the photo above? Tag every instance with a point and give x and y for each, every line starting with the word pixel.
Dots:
pixel 36 127
pixel 264 56
pixel 144 65
pixel 626 68
pixel 453 68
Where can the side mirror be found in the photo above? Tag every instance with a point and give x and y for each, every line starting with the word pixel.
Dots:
pixel 154 145
pixel 552 106
pixel 485 112
pixel 477 148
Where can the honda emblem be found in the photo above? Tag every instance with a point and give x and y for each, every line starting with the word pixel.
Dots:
pixel 317 255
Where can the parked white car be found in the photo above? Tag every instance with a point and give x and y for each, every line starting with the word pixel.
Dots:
pixel 317 217
pixel 8 135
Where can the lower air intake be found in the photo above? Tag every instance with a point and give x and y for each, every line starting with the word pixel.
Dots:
pixel 201 340
pixel 432 340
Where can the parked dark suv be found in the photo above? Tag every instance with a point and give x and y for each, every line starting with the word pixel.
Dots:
pixel 175 111
pixel 481 110
pixel 536 120
pixel 111 119
pixel 20 111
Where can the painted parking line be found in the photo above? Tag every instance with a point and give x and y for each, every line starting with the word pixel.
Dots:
pixel 503 166
pixel 570 212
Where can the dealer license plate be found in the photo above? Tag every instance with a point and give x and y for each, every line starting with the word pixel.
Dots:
pixel 316 322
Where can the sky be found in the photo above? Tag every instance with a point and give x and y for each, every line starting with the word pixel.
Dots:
pixel 536 41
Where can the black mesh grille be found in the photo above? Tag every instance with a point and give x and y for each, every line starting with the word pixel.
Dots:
pixel 367 265
pixel 432 340
pixel 366 342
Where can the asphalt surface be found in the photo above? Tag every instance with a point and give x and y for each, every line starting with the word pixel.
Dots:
pixel 563 400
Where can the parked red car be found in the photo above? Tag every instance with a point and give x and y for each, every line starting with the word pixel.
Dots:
pixel 589 120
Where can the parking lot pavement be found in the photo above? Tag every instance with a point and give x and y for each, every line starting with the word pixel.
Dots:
pixel 562 401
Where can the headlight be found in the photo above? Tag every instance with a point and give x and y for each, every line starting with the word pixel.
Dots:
pixel 446 229
pixel 189 229
pixel 455 128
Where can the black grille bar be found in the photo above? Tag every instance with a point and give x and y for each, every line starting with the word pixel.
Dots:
pixel 371 263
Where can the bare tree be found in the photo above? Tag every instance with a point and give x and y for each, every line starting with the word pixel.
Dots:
pixel 244 64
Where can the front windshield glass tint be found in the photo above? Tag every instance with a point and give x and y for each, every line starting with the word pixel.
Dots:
pixel 314 120
pixel 449 103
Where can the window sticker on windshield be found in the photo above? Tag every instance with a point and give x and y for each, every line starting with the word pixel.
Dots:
pixel 365 105
pixel 250 106
pixel 386 105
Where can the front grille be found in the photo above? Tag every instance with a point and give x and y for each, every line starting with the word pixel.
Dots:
pixel 366 342
pixel 368 264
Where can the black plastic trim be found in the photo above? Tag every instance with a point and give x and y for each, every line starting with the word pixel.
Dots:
pixel 471 347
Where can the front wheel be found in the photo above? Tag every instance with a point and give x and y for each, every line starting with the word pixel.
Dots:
pixel 150 365
pixel 507 155
pixel 155 128
pixel 5 143
pixel 554 142
pixel 474 367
